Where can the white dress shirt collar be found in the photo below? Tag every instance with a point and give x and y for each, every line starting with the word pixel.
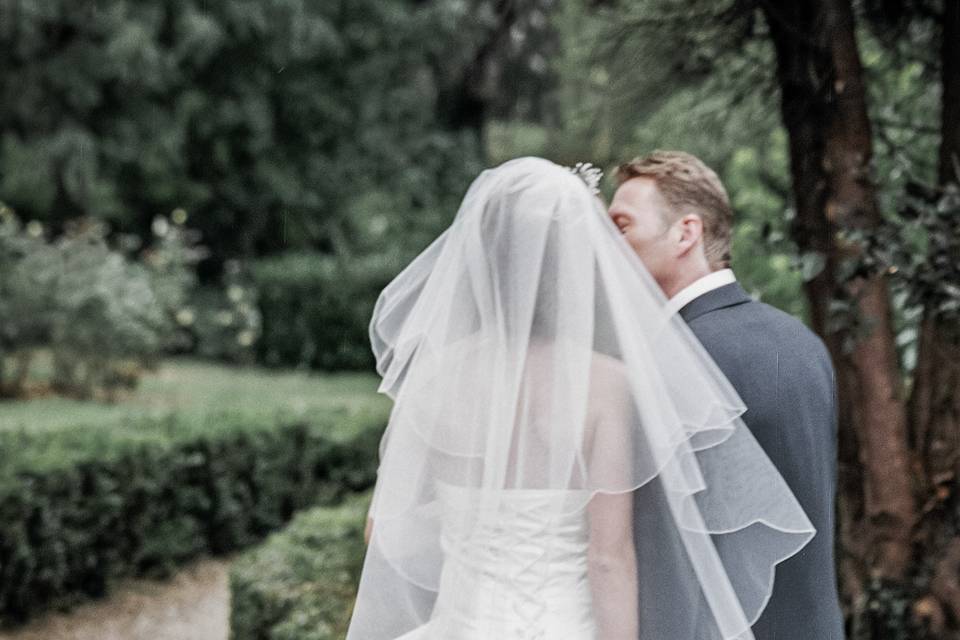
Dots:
pixel 691 292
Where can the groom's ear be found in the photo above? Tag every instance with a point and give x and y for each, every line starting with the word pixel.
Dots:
pixel 691 233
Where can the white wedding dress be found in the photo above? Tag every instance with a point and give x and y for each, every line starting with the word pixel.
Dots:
pixel 524 578
pixel 547 403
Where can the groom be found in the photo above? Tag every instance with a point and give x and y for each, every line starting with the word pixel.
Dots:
pixel 676 215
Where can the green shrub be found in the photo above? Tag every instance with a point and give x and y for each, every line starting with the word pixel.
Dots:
pixel 81 507
pixel 316 309
pixel 106 317
pixel 92 307
pixel 301 583
pixel 103 315
pixel 225 320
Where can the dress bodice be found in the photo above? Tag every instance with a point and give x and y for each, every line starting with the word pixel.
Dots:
pixel 516 570
pixel 523 533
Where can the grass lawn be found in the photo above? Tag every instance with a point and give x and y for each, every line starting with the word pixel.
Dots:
pixel 195 391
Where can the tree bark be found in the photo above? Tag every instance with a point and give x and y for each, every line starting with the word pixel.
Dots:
pixel 935 401
pixel 880 415
pixel 464 103
pixel 803 69
pixel 825 113
pixel 950 102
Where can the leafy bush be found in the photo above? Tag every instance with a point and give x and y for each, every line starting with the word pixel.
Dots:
pixel 301 583
pixel 26 275
pixel 264 118
pixel 106 316
pixel 82 506
pixel 97 311
pixel 171 258
pixel 107 313
pixel 224 322
pixel 316 308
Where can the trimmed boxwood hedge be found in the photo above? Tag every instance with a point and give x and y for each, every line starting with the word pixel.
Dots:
pixel 301 583
pixel 316 309
pixel 146 505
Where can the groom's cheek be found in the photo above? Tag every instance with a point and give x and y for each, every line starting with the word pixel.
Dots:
pixel 635 242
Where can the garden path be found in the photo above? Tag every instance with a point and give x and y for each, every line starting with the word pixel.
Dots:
pixel 192 605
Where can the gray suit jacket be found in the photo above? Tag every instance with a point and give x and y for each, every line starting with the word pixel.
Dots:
pixel 784 375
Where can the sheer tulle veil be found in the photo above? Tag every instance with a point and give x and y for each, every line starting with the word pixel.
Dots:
pixel 528 348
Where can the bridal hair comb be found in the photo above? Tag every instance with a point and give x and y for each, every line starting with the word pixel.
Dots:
pixel 590 175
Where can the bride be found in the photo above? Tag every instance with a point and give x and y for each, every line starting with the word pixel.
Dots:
pixel 554 430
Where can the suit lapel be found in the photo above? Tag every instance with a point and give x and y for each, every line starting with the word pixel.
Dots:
pixel 726 296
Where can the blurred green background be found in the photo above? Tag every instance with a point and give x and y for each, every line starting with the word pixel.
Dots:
pixel 200 201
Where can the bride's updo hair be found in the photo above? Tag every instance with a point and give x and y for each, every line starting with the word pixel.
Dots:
pixel 532 203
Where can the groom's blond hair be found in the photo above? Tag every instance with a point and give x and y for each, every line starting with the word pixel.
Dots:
pixel 689 186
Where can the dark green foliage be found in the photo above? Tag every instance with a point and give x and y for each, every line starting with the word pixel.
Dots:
pixel 274 125
pixel 71 524
pixel 316 309
pixel 101 314
pixel 887 612
pixel 102 311
pixel 925 249
pixel 301 583
pixel 226 319
pixel 918 247
pixel 107 310
pixel 265 120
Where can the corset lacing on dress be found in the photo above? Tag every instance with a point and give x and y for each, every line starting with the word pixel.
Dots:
pixel 521 570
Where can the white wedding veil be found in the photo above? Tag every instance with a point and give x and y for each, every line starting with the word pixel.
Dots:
pixel 528 348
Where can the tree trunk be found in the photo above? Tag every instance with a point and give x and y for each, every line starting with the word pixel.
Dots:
pixel 465 102
pixel 825 113
pixel 802 68
pixel 950 73
pixel 935 401
pixel 879 415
